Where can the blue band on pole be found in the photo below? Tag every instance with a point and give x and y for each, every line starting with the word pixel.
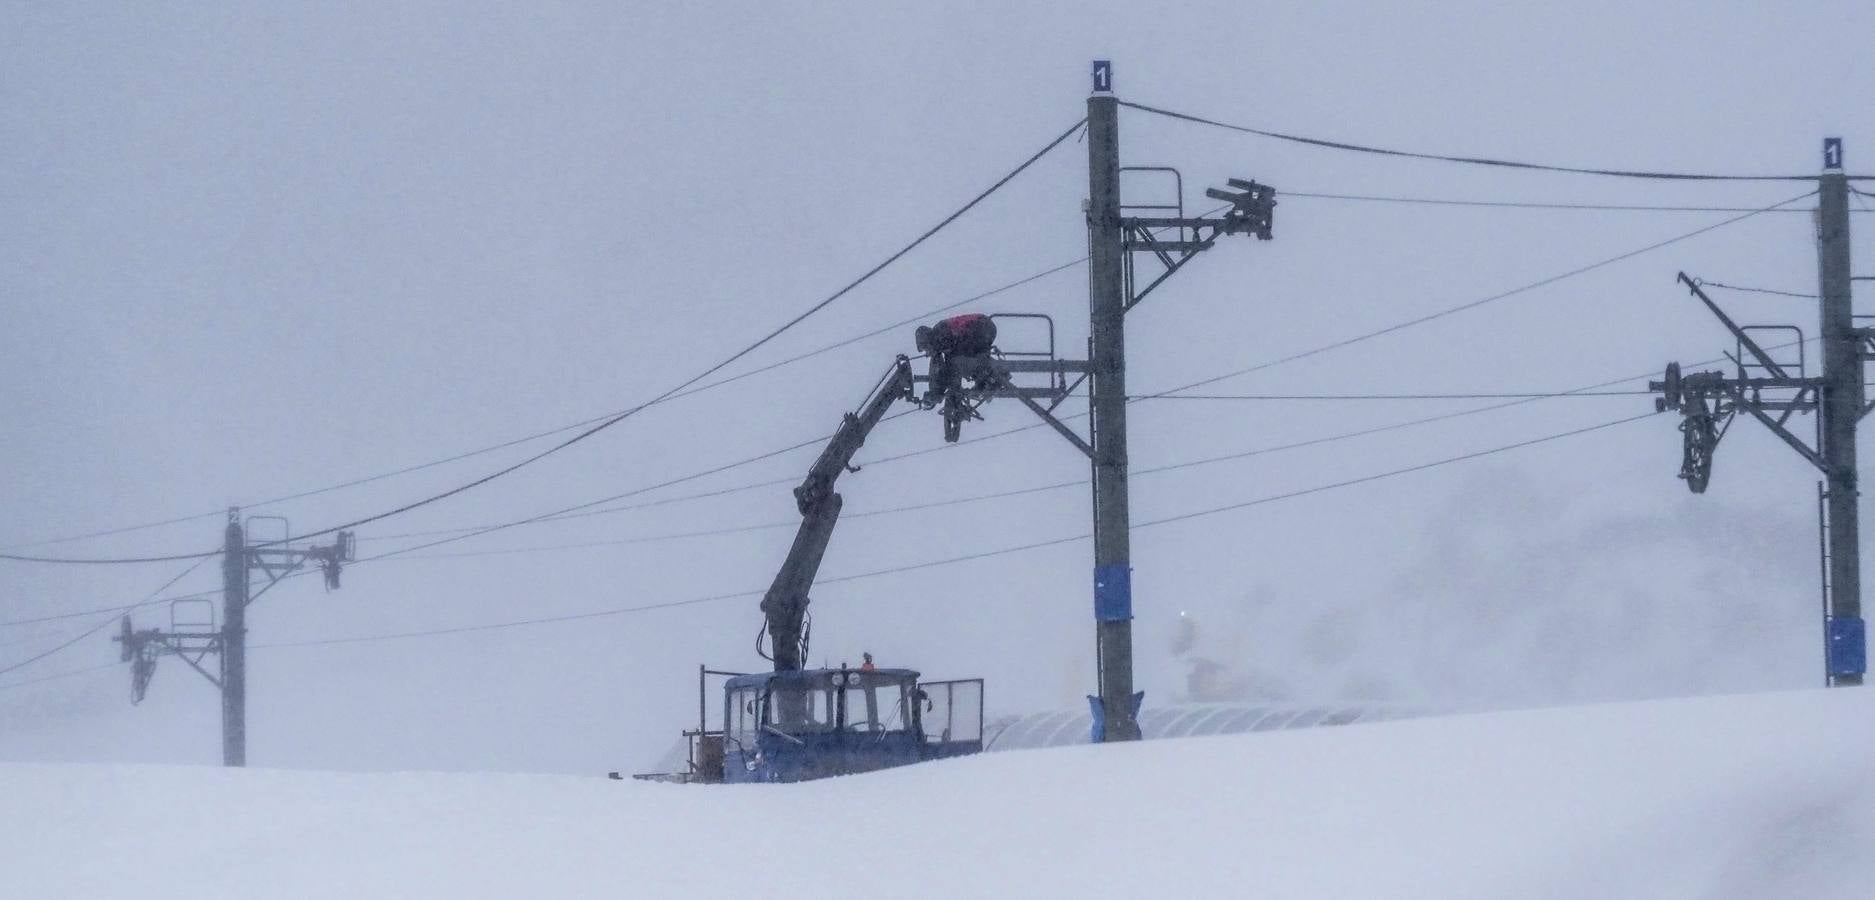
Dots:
pixel 1098 733
pixel 1848 646
pixel 1113 593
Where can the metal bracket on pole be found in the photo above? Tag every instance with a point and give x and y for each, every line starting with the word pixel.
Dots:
pixel 196 664
pixel 1059 426
pixel 1740 402
pixel 1252 211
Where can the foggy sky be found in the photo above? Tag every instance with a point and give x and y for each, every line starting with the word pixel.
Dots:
pixel 256 250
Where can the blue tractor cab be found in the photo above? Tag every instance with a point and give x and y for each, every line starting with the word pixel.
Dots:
pixel 816 723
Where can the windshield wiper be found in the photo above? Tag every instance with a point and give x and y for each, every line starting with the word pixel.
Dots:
pixel 783 735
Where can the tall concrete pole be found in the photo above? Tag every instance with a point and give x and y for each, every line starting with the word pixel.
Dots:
pixel 1842 409
pixel 234 643
pixel 1113 574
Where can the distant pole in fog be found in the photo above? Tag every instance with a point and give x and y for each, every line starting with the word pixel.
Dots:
pixel 191 641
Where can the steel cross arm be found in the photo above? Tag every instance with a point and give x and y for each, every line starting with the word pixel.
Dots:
pixel 1067 393
pixel 1146 239
pixel 1061 367
pixel 1170 267
pixel 1171 222
pixel 1051 366
pixel 1804 386
pixel 1059 426
pixel 1189 248
pixel 1744 339
pixel 1797 404
pixel 1143 228
pixel 274 577
pixel 272 581
pixel 177 652
pixel 1777 427
pixel 289 560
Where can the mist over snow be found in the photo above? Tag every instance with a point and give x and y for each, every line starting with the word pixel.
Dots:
pixel 262 251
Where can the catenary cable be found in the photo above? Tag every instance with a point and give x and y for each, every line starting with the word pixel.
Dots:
pixel 1419 396
pixel 1004 288
pixel 1522 204
pixel 100 626
pixel 1751 290
pixel 1470 160
pixel 1494 298
pixel 1325 348
pixel 1003 551
pixel 622 416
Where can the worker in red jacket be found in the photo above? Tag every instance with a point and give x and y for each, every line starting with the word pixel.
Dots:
pixel 971 334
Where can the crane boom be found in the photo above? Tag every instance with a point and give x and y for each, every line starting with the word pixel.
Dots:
pixel 785 604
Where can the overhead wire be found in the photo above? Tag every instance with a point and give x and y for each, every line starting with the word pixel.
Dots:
pixel 586 509
pixel 1418 396
pixel 1003 551
pixel 1269 364
pixel 984 295
pixel 57 676
pixel 1517 400
pixel 732 358
pixel 607 423
pixel 1586 390
pixel 1305 354
pixel 101 624
pixel 409 554
pixel 1493 298
pixel 1477 454
pixel 1469 160
pixel 1751 290
pixel 502 526
pixel 82 613
pixel 1524 204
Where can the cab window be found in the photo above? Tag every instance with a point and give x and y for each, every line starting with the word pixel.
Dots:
pixel 741 718
pixel 875 705
pixel 800 709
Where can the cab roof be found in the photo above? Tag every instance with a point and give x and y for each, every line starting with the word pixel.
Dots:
pixel 816 677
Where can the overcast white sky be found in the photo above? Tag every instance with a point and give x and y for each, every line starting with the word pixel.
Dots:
pixel 253 250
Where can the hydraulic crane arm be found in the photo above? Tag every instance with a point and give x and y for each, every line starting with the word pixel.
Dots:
pixel 785 604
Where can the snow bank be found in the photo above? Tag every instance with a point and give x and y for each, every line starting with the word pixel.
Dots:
pixel 1750 796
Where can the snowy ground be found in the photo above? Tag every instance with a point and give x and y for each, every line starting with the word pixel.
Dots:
pixel 1754 796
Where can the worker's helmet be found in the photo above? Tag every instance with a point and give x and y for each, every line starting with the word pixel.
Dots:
pixel 922 338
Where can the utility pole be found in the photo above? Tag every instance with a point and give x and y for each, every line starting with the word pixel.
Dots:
pixel 1762 386
pixel 1115 239
pixel 194 639
pixel 1113 572
pixel 234 590
pixel 1842 409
